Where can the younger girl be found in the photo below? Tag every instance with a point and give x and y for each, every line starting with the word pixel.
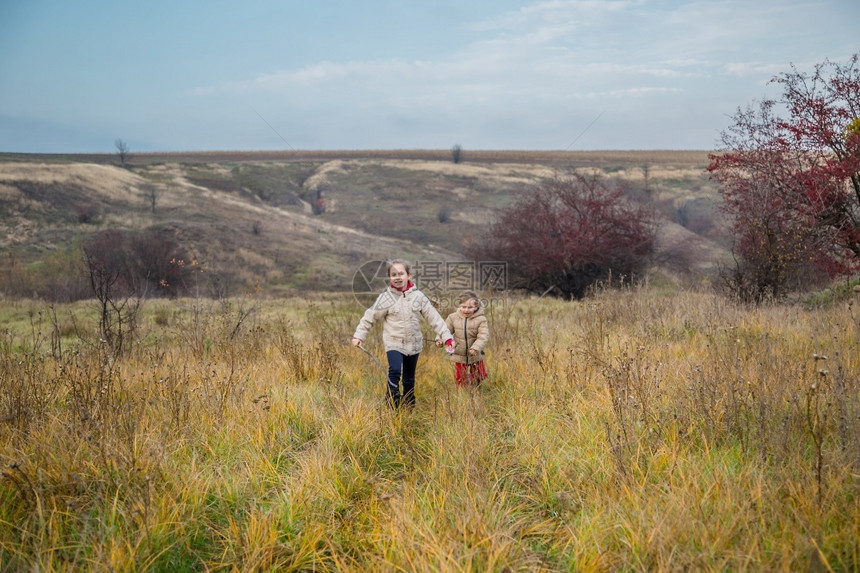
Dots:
pixel 471 333
pixel 399 308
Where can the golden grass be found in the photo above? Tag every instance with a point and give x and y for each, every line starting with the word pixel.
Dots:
pixel 106 181
pixel 660 172
pixel 635 430
pixel 521 173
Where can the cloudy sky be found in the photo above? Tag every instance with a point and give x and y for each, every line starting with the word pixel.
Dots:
pixel 377 74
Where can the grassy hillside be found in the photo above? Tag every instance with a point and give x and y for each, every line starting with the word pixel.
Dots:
pixel 250 218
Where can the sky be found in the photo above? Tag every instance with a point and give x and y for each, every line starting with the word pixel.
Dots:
pixel 194 75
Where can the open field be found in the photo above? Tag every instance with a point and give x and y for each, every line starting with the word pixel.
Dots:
pixel 636 430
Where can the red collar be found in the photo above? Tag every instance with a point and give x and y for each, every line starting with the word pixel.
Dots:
pixel 408 286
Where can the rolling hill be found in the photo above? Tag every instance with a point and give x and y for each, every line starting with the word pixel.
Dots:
pixel 289 222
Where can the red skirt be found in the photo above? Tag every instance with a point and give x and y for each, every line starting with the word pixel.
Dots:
pixel 470 374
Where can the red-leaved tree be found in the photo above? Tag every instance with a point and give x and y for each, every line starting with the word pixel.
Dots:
pixel 789 174
pixel 568 233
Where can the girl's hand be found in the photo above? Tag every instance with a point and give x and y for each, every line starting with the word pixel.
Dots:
pixel 438 343
pixel 356 342
pixel 473 352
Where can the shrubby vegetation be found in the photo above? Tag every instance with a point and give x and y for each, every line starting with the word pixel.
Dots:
pixel 568 233
pixel 790 176
pixel 147 263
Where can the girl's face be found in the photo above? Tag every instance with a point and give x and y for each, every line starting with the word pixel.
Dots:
pixel 468 308
pixel 398 276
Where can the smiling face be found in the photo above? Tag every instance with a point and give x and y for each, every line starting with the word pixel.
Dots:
pixel 399 276
pixel 467 308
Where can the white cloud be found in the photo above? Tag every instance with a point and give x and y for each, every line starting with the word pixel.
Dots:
pixel 546 15
pixel 757 69
pixel 543 37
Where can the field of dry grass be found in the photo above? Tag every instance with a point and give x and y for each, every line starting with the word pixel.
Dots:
pixel 636 430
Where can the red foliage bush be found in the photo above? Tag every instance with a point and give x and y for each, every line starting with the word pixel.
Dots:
pixel 568 233
pixel 791 185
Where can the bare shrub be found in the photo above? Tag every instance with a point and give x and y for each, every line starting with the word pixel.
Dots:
pixel 122 152
pixel 754 280
pixel 117 305
pixel 86 212
pixel 25 391
pixel 161 264
pixel 151 194
pixel 457 153
pixel 150 262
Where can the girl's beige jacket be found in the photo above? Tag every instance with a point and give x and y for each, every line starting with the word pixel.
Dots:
pixel 469 333
pixel 400 314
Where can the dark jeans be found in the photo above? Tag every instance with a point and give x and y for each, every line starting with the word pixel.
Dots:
pixel 400 365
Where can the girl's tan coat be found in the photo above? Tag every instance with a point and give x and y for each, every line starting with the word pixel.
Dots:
pixel 469 333
pixel 400 314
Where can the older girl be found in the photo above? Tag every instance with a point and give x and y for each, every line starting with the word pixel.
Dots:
pixel 399 307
